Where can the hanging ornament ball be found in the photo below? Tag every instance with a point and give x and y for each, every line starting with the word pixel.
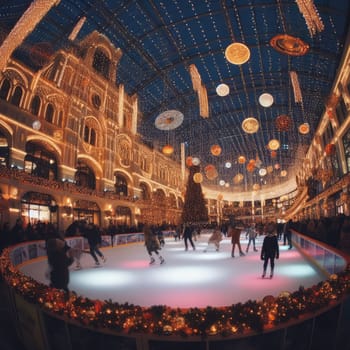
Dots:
pixel 266 100
pixel 36 125
pixel 197 178
pixel 274 145
pixel 211 172
pixel 304 128
pixel 329 149
pixel 241 159
pixel 195 161
pixel 222 182
pixel 284 173
pixel 222 90
pixel 189 161
pixel 168 150
pixel 250 167
pixel 215 150
pixel 237 53
pixel 273 154
pixel 283 122
pixel 277 166
pixel 262 172
pixel 228 165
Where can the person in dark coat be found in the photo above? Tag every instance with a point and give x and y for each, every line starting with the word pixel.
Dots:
pixel 287 233
pixel 269 251
pixel 58 261
pixel 93 237
pixel 187 235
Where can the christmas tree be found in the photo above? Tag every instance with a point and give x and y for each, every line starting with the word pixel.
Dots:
pixel 194 210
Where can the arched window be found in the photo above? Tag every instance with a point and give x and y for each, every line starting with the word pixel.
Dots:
pixel 35 105
pixel 5 89
pixel 84 176
pixel 40 162
pixel 90 136
pixel 101 63
pixel 121 185
pixel 4 150
pixel 49 113
pixel 17 96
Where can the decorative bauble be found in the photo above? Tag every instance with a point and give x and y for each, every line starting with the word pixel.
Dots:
pixel 289 45
pixel 228 165
pixel 277 166
pixel 237 53
pixel 196 161
pixel 329 149
pixel 269 299
pixel 168 150
pixel 189 161
pixel 36 125
pixel 283 122
pixel 269 169
pixel 198 178
pixel 304 128
pixel 262 172
pixel 222 182
pixel 169 120
pixel 273 154
pixel 274 145
pixel 284 173
pixel 215 150
pixel 222 90
pixel 250 167
pixel 266 100
pixel 284 294
pixel 211 172
pixel 241 159
pixel 250 125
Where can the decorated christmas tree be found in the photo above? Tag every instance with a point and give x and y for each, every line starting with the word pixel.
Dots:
pixel 194 210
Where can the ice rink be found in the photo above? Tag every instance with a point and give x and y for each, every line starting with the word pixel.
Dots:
pixel 192 278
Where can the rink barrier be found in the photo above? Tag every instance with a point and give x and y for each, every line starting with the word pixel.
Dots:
pixel 42 329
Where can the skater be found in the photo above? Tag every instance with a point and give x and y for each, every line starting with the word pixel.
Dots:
pixel 235 234
pixel 58 261
pixel 251 235
pixel 287 233
pixel 187 235
pixel 215 238
pixel 269 251
pixel 93 237
pixel 152 244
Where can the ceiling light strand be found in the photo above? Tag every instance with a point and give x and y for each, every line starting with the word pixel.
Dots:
pixel 298 98
pixel 312 18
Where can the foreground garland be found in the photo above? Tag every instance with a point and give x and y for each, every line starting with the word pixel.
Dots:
pixel 162 320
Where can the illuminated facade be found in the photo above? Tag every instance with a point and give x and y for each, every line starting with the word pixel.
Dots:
pixel 69 146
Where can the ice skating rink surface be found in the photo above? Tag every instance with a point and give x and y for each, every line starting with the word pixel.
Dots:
pixel 192 278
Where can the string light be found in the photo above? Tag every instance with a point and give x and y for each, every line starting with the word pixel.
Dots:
pixel 312 18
